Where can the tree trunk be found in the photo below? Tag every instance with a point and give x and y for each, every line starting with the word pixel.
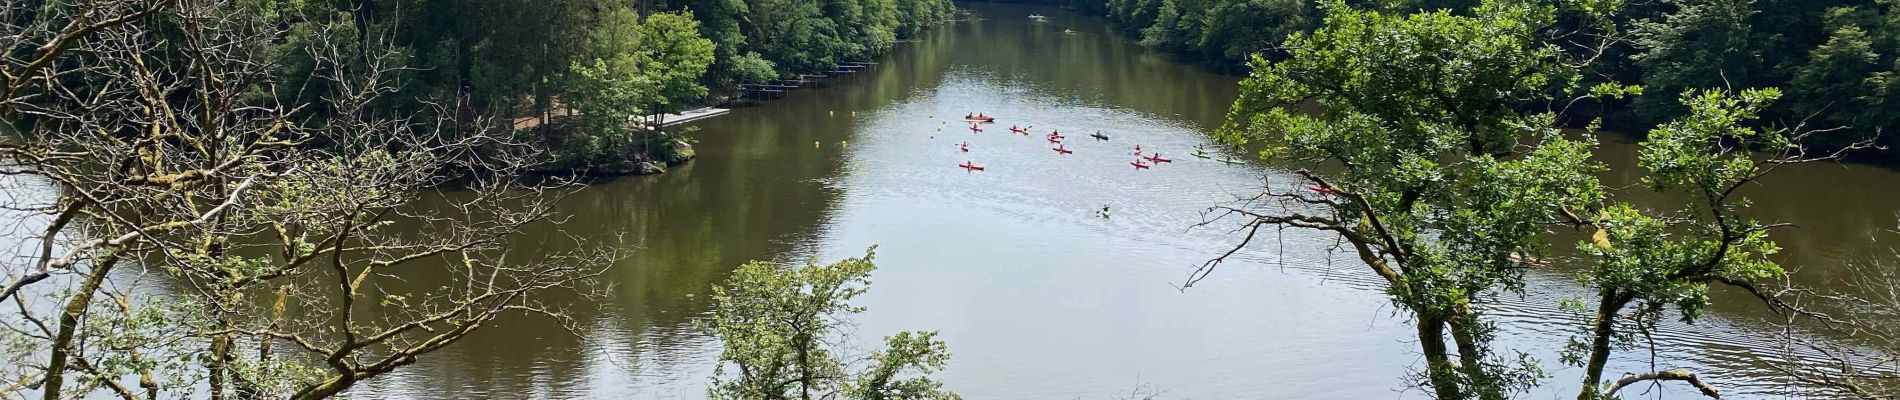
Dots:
pixel 217 364
pixel 1610 303
pixel 1441 374
pixel 68 325
pixel 1471 353
pixel 214 364
pixel 804 368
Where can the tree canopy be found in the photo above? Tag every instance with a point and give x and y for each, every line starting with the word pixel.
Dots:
pixel 1834 59
pixel 776 324
pixel 162 141
pixel 1438 191
pixel 1438 153
pixel 579 69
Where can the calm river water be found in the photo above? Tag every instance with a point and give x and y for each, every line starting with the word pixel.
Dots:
pixel 1037 296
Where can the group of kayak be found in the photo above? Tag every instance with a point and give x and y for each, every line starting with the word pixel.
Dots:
pixel 1143 162
pixel 976 121
pixel 1201 152
pixel 1144 159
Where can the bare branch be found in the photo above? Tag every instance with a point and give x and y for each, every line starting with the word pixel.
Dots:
pixel 1671 375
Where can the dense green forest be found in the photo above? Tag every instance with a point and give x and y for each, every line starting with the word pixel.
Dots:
pixel 1835 60
pixel 572 73
pixel 247 199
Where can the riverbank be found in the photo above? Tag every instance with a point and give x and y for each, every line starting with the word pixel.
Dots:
pixel 557 132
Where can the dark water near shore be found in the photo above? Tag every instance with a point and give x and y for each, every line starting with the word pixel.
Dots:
pixel 1037 296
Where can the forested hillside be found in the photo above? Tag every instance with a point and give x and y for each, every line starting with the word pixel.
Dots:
pixel 571 73
pixel 1834 59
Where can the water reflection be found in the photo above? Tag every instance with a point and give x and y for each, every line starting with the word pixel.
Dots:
pixel 1036 295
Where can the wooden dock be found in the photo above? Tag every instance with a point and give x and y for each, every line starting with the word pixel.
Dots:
pixel 777 87
pixel 691 115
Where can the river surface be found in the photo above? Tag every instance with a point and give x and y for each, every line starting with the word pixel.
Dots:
pixel 1037 296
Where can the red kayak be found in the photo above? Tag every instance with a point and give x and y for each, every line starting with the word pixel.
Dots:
pixel 1138 150
pixel 1024 131
pixel 1157 158
pixel 1139 165
pixel 1322 190
pixel 976 128
pixel 1060 150
pixel 969 166
pixel 1054 139
pixel 965 147
pixel 980 118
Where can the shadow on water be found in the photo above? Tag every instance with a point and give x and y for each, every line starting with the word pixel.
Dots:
pixel 757 191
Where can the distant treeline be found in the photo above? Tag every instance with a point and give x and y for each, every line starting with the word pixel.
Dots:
pixel 1834 59
pixel 573 73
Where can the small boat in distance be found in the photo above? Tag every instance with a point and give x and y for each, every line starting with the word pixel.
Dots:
pixel 970 166
pixel 1099 136
pixel 979 118
pixel 1061 150
pixel 1157 158
pixel 1038 18
pixel 965 147
pixel 1138 150
pixel 1017 129
pixel 1139 164
pixel 975 128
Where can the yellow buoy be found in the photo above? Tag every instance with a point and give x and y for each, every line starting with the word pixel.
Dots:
pixel 814 145
pixel 831 113
pixel 854 113
pixel 843 143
